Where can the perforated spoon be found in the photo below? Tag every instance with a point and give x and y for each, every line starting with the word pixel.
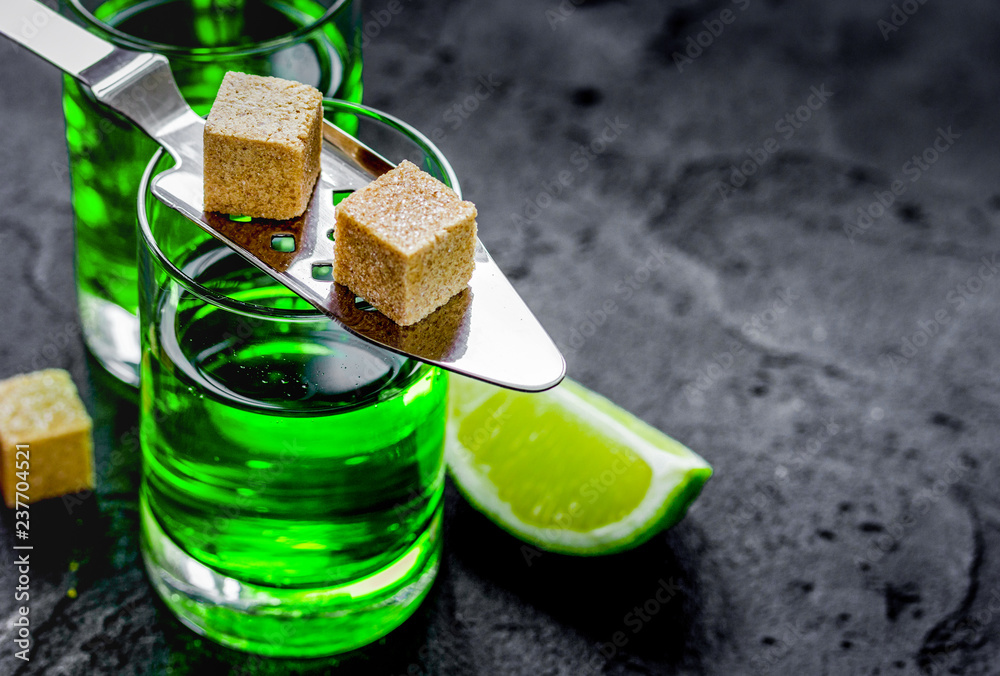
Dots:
pixel 486 332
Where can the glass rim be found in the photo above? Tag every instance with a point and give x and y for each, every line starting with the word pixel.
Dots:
pixel 123 39
pixel 252 309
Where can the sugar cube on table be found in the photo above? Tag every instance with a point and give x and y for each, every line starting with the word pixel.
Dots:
pixel 45 437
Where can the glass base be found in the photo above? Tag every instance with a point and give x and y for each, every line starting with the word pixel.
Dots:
pixel 289 622
pixel 112 335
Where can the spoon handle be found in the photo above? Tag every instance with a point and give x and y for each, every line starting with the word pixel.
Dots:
pixel 53 37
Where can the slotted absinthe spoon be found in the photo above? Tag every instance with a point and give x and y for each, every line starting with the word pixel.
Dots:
pixel 485 332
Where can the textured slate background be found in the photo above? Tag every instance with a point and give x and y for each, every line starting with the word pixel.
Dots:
pixel 845 391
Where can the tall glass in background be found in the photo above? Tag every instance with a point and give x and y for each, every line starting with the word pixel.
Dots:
pixel 317 42
pixel 293 474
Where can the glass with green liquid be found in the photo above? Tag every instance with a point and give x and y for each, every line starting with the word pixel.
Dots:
pixel 292 474
pixel 317 42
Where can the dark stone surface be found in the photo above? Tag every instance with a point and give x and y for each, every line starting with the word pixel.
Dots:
pixel 853 525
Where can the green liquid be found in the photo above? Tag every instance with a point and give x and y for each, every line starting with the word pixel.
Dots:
pixel 302 462
pixel 107 154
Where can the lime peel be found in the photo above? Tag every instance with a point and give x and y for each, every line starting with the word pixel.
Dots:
pixel 582 426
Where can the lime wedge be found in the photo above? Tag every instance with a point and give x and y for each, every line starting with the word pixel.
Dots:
pixel 567 470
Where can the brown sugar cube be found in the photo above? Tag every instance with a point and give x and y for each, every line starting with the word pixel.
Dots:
pixel 405 242
pixel 262 147
pixel 44 437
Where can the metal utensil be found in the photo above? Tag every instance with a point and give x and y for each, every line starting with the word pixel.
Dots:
pixel 486 332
